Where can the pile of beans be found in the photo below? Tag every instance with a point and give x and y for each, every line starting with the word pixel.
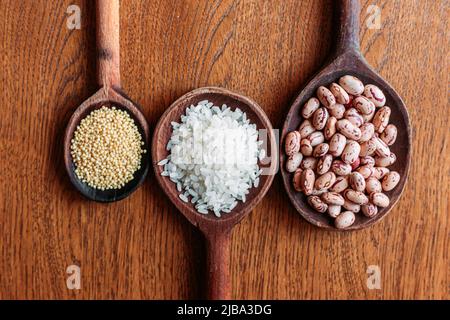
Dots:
pixel 340 153
pixel 107 149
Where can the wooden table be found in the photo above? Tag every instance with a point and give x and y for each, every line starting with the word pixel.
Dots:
pixel 142 248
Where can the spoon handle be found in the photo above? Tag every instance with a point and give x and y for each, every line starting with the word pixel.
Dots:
pixel 348 36
pixel 108 43
pixel 218 268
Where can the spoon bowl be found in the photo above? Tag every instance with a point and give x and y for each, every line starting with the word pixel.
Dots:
pixel 106 97
pixel 347 59
pixel 217 231
pixel 110 94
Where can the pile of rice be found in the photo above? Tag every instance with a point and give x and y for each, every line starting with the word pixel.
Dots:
pixel 213 157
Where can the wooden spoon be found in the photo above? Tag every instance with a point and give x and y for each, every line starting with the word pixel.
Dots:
pixel 110 94
pixel 347 59
pixel 217 231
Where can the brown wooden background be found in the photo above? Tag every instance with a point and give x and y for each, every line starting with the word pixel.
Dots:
pixel 141 248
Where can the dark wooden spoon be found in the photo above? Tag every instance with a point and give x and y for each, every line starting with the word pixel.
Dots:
pixel 110 94
pixel 217 231
pixel 347 59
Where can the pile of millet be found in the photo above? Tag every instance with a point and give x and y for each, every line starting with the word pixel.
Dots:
pixel 107 149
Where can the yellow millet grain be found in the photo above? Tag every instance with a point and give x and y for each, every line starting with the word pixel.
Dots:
pixel 107 149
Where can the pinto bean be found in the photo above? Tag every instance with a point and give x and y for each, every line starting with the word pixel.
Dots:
pixel 325 181
pixel 379 199
pixel 374 94
pixel 390 181
pixel 325 96
pixel 344 220
pixel 307 180
pixel 310 107
pixel 352 85
pixel 317 204
pixel 337 144
pixel 294 161
pixel 324 164
pixel 292 143
pixel 339 93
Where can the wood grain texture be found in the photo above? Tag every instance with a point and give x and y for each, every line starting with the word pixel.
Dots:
pixel 141 247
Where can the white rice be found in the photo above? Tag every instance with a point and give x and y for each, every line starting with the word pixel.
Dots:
pixel 214 154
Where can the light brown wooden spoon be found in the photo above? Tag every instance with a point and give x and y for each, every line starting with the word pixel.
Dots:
pixel 347 59
pixel 110 94
pixel 217 231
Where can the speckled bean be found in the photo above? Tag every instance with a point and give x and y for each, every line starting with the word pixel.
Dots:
pixel 317 204
pixel 325 181
pixel 363 105
pixel 390 181
pixel 344 220
pixel 292 144
pixel 305 129
pixel 348 129
pixel 379 172
pixel 367 160
pixel 320 150
pixel 296 180
pixel 340 185
pixel 320 118
pixel 333 198
pixel 352 85
pixel 389 135
pixel 325 96
pixel 382 149
pixel 355 164
pixel 381 119
pixel 324 164
pixel 368 117
pixel 385 161
pixel 368 148
pixel 351 152
pixel 307 180
pixel 310 107
pixel 337 110
pixel 365 171
pixel 316 138
pixel 373 185
pixel 354 117
pixel 339 93
pixel 379 199
pixel 374 94
pixel 309 163
pixel 293 162
pixel 369 210
pixel 351 206
pixel 330 128
pixel 306 148
pixel 333 210
pixel 357 181
pixel 340 153
pixel 341 168
pixel 337 144
pixel 357 197
pixel 367 132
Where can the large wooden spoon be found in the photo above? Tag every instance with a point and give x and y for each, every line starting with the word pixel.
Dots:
pixel 347 59
pixel 217 231
pixel 110 94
